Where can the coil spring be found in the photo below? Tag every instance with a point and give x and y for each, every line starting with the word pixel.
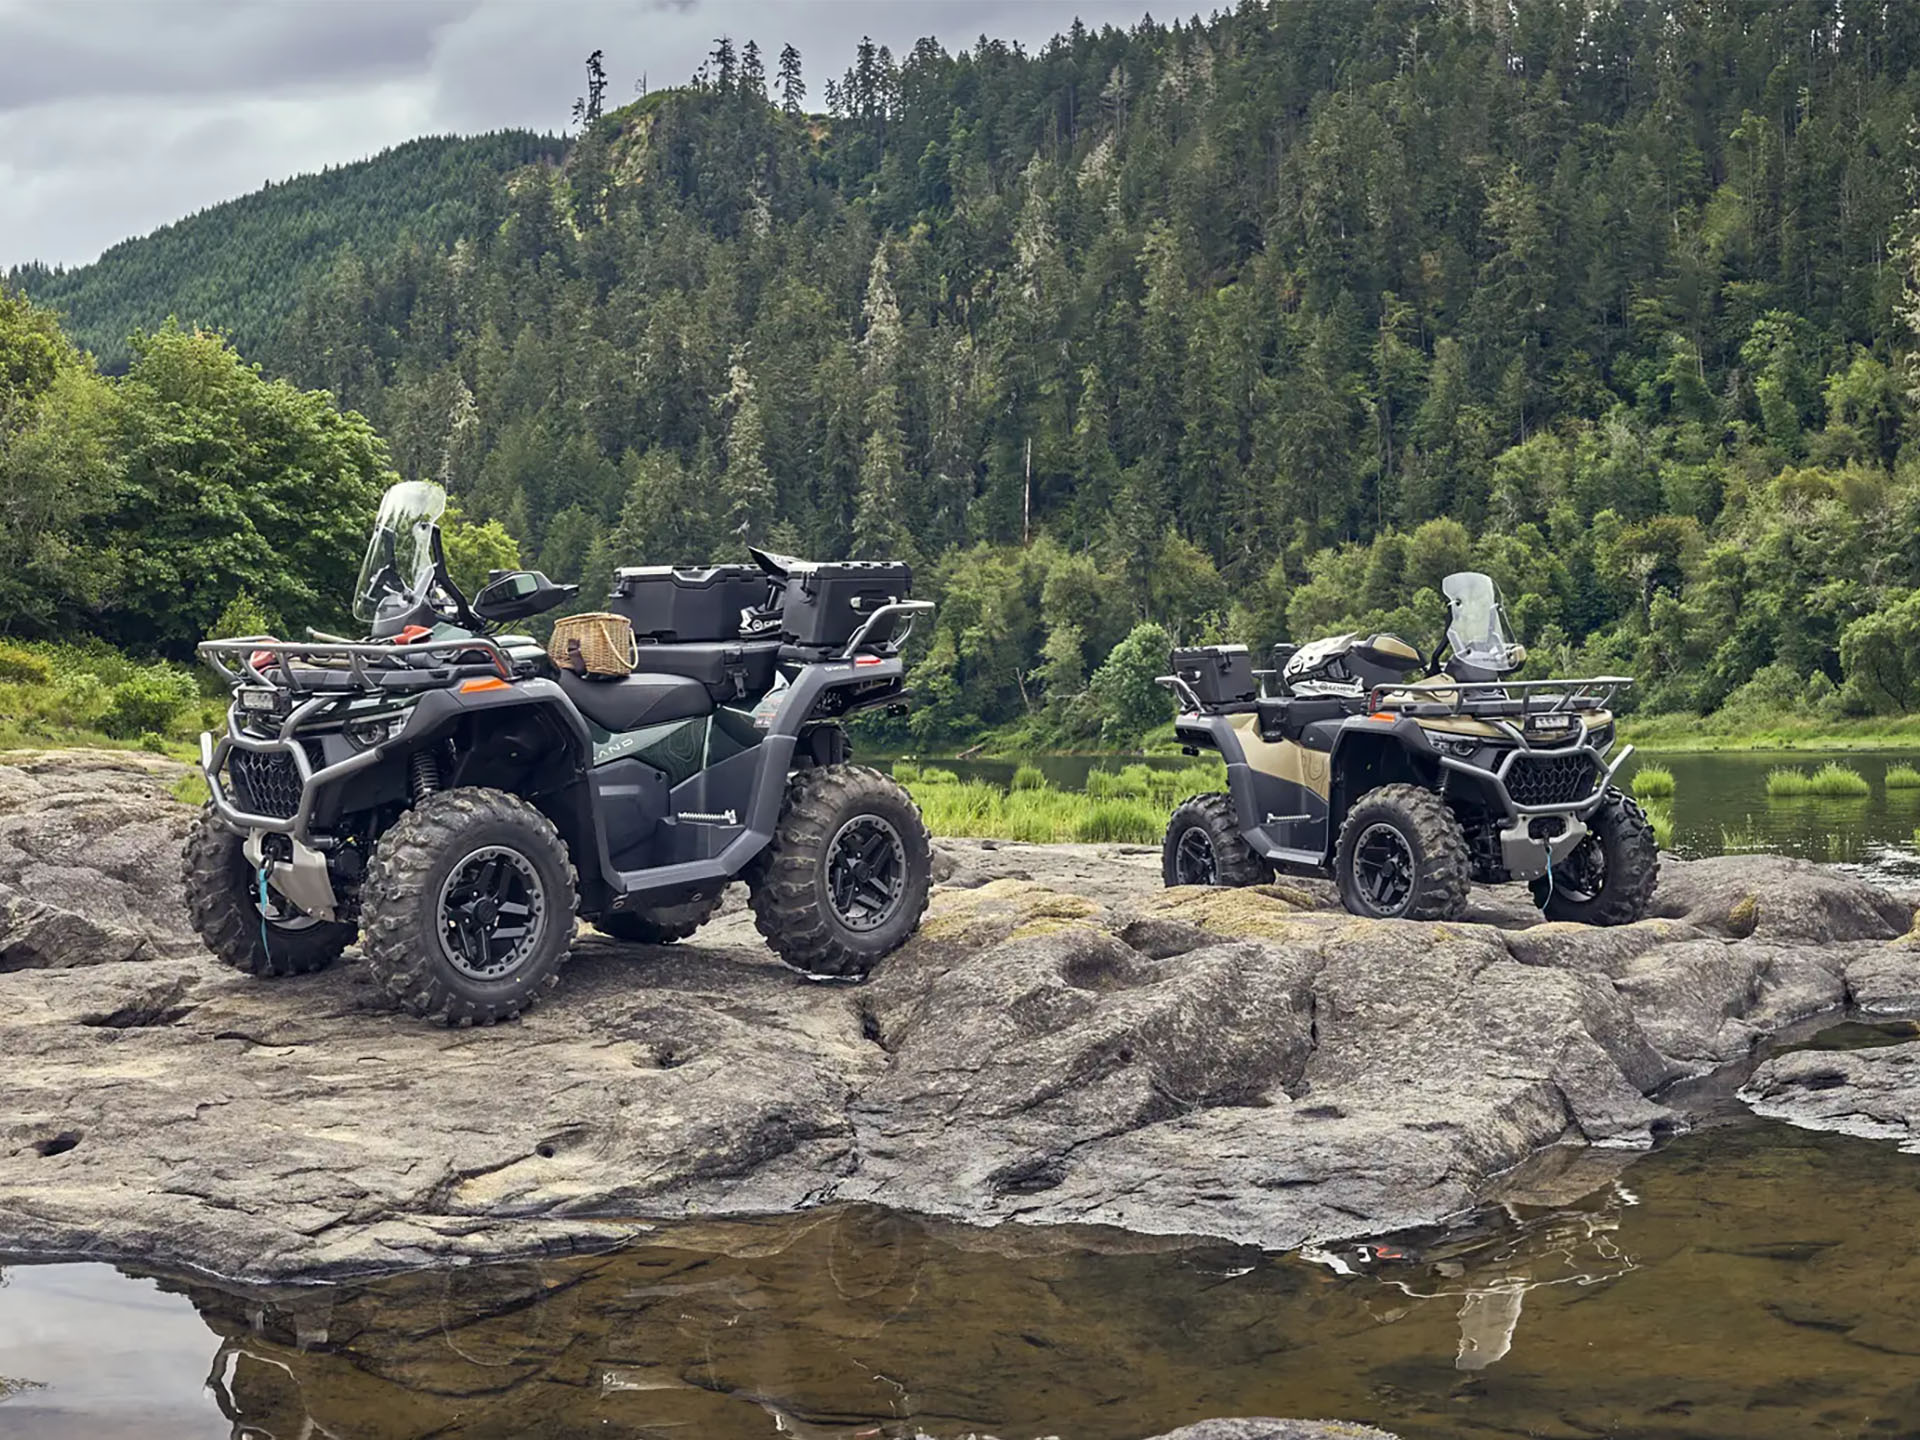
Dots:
pixel 425 771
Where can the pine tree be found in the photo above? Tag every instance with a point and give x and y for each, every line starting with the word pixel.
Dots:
pixel 746 486
pixel 586 108
pixel 793 88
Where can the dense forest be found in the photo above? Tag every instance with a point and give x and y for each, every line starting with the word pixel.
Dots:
pixel 1249 327
pixel 240 265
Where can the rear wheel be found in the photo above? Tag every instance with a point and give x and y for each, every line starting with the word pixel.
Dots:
pixel 1610 876
pixel 245 934
pixel 845 881
pixel 1204 846
pixel 658 924
pixel 468 908
pixel 1402 856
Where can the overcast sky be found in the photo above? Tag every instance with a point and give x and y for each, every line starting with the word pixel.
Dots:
pixel 117 116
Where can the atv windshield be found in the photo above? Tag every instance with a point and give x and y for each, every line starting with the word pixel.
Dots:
pixel 399 563
pixel 1477 624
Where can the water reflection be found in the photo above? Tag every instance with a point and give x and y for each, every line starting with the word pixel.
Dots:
pixel 1752 1280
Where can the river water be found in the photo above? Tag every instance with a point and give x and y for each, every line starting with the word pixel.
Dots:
pixel 1747 1279
pixel 1719 804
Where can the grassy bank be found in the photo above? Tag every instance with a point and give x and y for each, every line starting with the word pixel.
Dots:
pixel 1686 732
pixel 91 694
pixel 1127 806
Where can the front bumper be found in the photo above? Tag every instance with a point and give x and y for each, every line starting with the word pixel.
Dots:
pixel 215 753
pixel 1525 854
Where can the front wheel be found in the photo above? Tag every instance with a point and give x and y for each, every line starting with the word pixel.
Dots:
pixel 245 933
pixel 1610 876
pixel 468 907
pixel 1402 856
pixel 845 881
pixel 1204 846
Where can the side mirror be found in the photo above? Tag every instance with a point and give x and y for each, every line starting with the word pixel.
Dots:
pixel 516 594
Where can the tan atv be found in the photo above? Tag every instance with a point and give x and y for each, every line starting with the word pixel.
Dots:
pixel 1404 789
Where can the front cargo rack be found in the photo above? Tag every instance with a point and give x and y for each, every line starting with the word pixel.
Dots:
pixel 331 666
pixel 1506 698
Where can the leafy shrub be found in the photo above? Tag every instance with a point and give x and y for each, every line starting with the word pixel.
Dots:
pixel 148 700
pixel 244 615
pixel 21 666
pixel 1653 780
pixel 154 741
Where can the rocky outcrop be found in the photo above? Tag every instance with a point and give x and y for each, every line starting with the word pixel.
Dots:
pixel 1065 1041
pixel 1873 1093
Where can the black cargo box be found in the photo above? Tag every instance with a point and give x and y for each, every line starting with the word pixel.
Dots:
pixel 666 602
pixel 1221 675
pixel 732 671
pixel 825 603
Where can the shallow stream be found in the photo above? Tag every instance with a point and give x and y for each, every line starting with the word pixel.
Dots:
pixel 1747 1279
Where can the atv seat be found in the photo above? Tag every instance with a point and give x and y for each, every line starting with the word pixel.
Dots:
pixel 636 700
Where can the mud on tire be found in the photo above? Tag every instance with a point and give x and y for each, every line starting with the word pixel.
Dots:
pixel 223 901
pixel 658 924
pixel 450 884
pixel 1610 876
pixel 1204 846
pixel 1402 855
pixel 845 881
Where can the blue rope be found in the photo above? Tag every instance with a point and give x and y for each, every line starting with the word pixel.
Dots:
pixel 261 876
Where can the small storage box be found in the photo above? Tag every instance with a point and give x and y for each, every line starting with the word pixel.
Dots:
pixel 825 603
pixel 1221 675
pixel 665 602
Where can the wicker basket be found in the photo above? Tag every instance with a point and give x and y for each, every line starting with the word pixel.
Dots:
pixel 596 644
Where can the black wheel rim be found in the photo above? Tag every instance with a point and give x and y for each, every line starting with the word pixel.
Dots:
pixel 866 872
pixel 492 913
pixel 1383 867
pixel 1193 858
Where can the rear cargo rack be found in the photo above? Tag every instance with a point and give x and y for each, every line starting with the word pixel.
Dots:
pixel 340 665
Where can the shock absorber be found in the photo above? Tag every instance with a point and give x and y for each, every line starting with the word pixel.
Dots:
pixel 425 771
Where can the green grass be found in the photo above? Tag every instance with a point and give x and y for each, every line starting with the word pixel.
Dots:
pixel 1120 807
pixel 1903 777
pixel 1653 780
pixel 1029 777
pixel 190 789
pixel 1744 841
pixel 1661 819
pixel 89 694
pixel 1681 732
pixel 1832 780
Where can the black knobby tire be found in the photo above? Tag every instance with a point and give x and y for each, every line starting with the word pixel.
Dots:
pixel 1402 855
pixel 1610 876
pixel 468 907
pixel 819 911
pixel 658 924
pixel 1204 846
pixel 223 901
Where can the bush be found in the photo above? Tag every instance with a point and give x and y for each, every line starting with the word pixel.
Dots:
pixel 1130 703
pixel 1653 780
pixel 21 666
pixel 148 700
pixel 244 615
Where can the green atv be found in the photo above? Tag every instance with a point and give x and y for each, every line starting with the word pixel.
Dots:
pixel 452 798
pixel 1406 790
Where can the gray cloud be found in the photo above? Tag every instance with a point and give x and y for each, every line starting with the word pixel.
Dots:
pixel 117 116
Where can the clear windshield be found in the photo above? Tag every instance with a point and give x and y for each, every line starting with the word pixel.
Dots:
pixel 1477 624
pixel 399 561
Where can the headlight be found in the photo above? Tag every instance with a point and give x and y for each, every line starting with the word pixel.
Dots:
pixel 1462 748
pixel 375 729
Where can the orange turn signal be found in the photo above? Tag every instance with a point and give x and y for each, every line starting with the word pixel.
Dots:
pixel 490 683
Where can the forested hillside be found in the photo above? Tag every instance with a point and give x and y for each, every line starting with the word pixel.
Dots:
pixel 240 265
pixel 1249 327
